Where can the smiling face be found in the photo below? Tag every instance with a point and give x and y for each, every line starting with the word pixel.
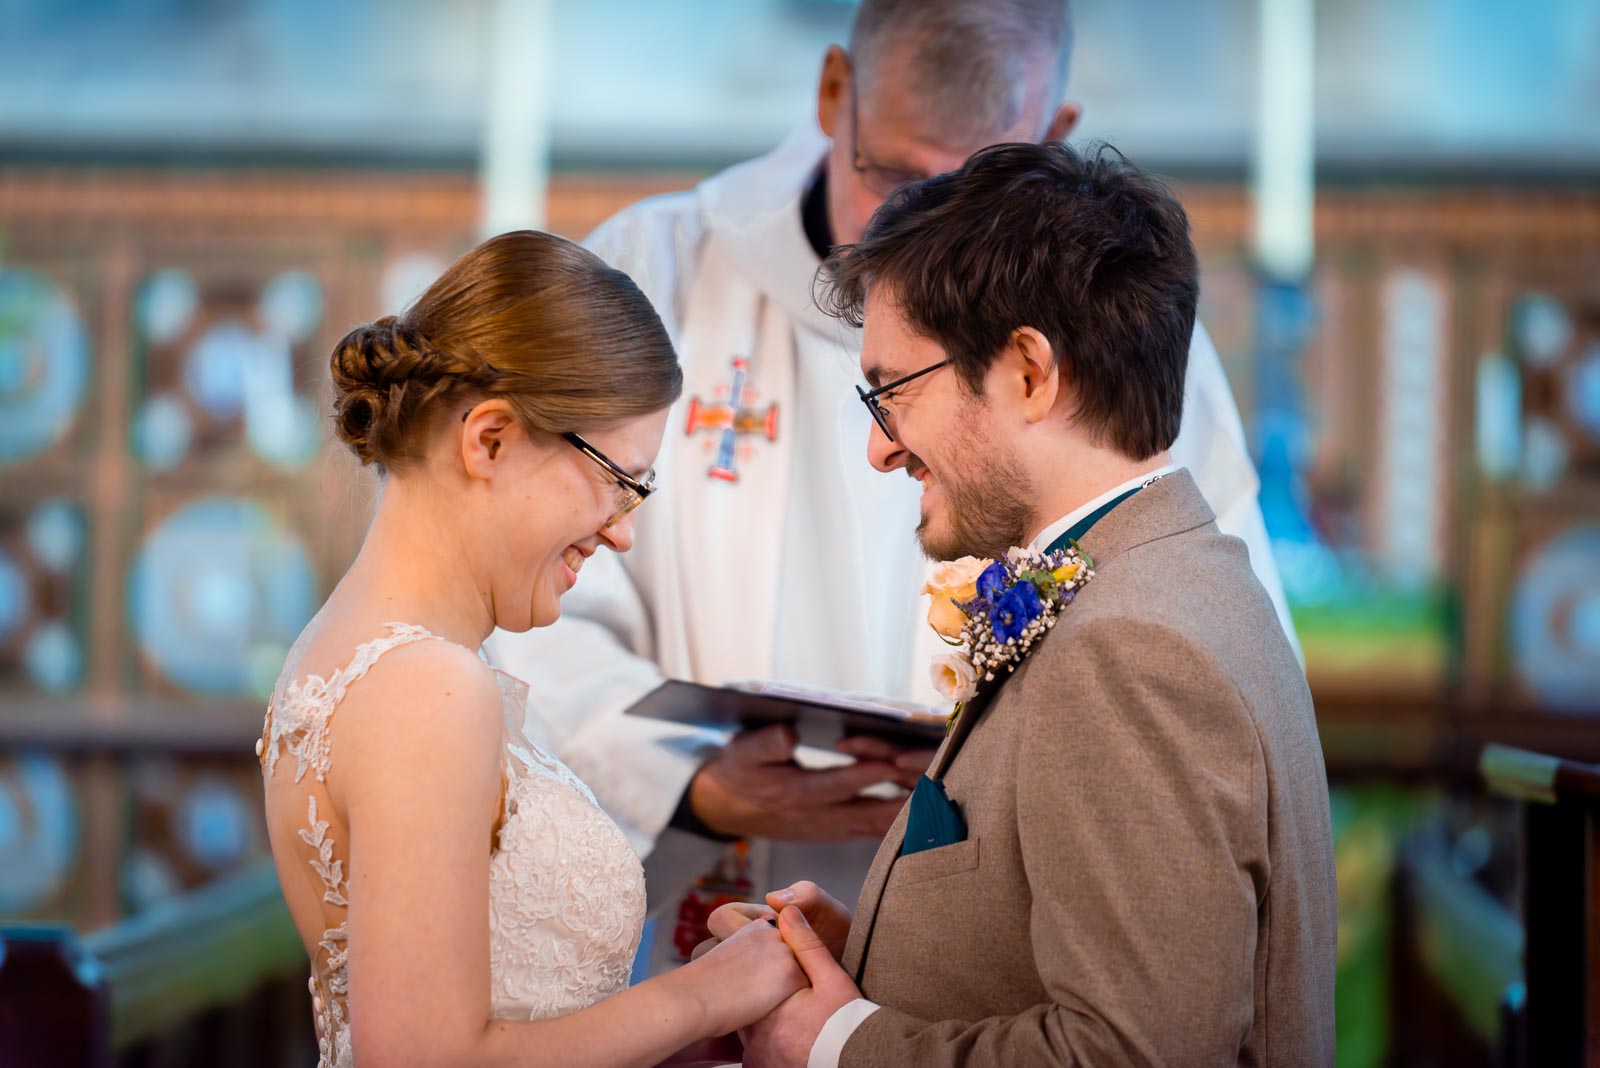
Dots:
pixel 977 499
pixel 545 514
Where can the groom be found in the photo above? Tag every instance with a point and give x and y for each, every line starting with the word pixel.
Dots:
pixel 1122 854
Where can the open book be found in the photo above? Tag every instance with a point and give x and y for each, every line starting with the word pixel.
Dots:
pixel 819 716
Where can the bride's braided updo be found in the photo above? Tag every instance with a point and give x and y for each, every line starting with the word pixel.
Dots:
pixel 388 382
pixel 568 342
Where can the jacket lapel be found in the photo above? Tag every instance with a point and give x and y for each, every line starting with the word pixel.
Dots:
pixel 855 952
pixel 957 737
pixel 855 947
pixel 1170 506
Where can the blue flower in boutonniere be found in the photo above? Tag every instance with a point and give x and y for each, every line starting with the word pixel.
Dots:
pixel 994 611
pixel 1013 610
pixel 992 581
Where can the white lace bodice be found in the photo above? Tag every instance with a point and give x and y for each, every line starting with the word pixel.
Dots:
pixel 566 891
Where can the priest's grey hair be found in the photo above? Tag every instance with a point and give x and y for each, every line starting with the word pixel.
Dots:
pixel 968 60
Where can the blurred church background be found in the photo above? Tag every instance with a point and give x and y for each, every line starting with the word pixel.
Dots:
pixel 198 197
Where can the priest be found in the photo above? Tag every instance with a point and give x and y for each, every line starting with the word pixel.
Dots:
pixel 775 552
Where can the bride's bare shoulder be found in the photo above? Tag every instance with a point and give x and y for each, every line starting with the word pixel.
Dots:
pixel 427 703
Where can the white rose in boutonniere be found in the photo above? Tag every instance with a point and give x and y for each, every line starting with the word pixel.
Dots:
pixel 952 583
pixel 954 677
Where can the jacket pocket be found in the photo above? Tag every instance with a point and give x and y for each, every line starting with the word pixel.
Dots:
pixel 928 864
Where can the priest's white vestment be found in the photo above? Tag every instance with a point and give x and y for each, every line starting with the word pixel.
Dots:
pixel 803 568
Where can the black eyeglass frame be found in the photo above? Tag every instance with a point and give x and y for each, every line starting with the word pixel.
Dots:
pixel 639 489
pixel 880 415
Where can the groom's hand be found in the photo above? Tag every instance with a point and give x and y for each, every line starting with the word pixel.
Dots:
pixel 828 917
pixel 753 788
pixel 784 1039
pixel 826 914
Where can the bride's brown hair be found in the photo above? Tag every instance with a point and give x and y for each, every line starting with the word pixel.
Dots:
pixel 570 343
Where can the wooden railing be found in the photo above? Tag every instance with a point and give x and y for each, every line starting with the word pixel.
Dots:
pixel 67 1000
pixel 1560 901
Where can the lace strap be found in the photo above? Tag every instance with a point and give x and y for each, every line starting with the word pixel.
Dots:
pixel 300 719
pixel 368 653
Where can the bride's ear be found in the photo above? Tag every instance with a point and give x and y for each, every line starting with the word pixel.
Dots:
pixel 484 433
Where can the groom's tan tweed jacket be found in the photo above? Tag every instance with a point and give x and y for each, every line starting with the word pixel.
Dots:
pixel 1148 873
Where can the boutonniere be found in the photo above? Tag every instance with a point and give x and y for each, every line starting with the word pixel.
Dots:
pixel 994 611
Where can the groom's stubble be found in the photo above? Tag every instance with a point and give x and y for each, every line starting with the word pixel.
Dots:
pixel 988 496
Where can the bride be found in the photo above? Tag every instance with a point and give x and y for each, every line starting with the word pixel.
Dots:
pixel 462 897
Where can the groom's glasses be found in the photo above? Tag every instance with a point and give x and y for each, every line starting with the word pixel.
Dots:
pixel 881 412
pixel 631 491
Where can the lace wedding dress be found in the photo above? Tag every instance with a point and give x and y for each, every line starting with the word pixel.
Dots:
pixel 566 891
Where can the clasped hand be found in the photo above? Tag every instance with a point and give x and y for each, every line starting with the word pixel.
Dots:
pixel 815 927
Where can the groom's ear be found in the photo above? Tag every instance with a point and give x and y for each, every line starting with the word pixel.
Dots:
pixel 1034 373
pixel 484 435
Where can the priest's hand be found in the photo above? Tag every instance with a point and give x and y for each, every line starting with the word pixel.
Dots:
pixel 826 914
pixel 753 788
pixel 784 1039
pixel 909 763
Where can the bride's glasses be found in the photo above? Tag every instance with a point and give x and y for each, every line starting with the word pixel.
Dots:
pixel 630 492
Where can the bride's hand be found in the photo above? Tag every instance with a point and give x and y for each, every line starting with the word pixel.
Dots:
pixel 743 977
pixel 729 918
pixel 827 915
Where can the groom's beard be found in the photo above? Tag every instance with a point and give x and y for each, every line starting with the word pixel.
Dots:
pixel 988 506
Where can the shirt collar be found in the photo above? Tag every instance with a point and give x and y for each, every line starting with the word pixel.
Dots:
pixel 1062 525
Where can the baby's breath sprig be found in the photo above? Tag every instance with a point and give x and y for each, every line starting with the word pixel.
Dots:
pixel 1018 600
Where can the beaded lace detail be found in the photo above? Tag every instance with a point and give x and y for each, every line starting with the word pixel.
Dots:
pixel 566 891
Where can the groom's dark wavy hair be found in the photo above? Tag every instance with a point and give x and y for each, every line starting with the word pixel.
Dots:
pixel 1085 248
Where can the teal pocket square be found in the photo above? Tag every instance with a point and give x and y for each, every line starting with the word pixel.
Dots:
pixel 933 821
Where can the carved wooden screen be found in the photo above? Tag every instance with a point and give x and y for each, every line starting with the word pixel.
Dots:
pixel 171 512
